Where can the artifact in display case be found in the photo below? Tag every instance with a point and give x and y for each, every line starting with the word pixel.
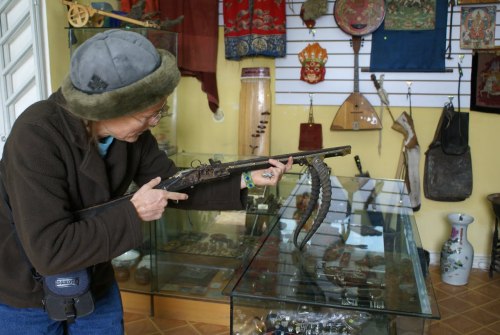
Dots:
pixel 361 272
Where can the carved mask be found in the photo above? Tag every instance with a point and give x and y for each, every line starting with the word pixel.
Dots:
pixel 313 59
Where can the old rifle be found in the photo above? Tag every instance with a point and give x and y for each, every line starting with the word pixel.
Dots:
pixel 216 170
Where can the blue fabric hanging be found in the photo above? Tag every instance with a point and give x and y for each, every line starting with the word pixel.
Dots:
pixel 411 51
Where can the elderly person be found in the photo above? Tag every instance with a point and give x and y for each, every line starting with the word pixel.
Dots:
pixel 84 146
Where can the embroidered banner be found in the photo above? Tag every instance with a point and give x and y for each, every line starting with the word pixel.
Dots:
pixel 410 15
pixel 254 28
pixel 411 51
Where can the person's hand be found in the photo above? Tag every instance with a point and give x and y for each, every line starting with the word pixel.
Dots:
pixel 150 202
pixel 270 176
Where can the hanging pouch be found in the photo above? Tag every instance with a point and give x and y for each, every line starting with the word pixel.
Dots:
pixel 448 163
pixel 68 296
pixel 311 134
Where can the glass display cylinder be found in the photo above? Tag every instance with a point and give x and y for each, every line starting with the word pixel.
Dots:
pixel 255 112
pixel 457 253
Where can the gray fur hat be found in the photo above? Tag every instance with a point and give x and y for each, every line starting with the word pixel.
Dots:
pixel 116 73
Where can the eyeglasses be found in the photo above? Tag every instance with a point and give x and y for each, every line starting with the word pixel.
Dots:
pixel 156 117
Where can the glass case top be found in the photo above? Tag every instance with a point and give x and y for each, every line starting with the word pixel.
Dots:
pixel 366 254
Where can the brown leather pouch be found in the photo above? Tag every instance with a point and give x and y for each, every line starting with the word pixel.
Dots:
pixel 311 134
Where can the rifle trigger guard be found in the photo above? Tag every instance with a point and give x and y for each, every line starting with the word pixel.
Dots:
pixel 320 177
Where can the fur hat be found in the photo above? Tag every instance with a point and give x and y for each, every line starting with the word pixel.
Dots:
pixel 116 73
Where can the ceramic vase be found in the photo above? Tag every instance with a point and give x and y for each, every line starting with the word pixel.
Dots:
pixel 457 253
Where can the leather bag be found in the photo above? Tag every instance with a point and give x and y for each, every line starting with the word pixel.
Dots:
pixel 311 134
pixel 448 164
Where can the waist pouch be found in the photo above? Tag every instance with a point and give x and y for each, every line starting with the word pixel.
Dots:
pixel 67 295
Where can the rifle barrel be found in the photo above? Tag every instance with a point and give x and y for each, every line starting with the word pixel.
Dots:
pixel 178 182
pixel 302 157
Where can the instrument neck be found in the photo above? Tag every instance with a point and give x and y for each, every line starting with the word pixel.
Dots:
pixel 356 45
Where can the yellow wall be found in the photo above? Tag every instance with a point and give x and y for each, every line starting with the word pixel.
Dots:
pixel 197 131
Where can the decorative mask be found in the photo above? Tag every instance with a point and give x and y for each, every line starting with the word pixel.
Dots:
pixel 313 59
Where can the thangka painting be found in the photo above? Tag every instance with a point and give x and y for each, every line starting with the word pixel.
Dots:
pixel 475 2
pixel 477 27
pixel 410 15
pixel 485 81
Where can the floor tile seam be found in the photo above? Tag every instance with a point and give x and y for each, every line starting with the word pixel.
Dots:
pixel 475 292
pixel 446 327
pixel 190 323
pixel 473 305
pixel 155 325
pixel 134 321
pixel 480 324
pixel 174 328
pixel 157 329
pixel 493 313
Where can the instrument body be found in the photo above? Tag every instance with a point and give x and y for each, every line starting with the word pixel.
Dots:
pixel 357 18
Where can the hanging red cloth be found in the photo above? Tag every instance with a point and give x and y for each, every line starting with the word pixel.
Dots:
pixel 254 28
pixel 197 41
pixel 151 5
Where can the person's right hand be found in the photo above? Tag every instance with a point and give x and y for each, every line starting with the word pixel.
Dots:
pixel 150 202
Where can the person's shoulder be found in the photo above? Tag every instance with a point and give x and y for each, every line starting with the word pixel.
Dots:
pixel 40 111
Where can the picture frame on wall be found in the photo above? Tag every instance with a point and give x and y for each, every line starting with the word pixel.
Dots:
pixel 476 2
pixel 485 81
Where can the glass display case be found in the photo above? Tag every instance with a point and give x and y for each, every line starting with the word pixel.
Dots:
pixel 193 254
pixel 362 272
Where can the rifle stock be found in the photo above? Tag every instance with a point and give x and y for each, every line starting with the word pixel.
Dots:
pixel 216 170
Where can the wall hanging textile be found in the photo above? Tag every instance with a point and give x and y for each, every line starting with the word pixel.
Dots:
pixel 311 134
pixel 197 41
pixel 448 165
pixel 150 6
pixel 255 112
pixel 477 27
pixel 313 59
pixel 254 28
pixel 409 50
pixel 410 15
pixel 485 81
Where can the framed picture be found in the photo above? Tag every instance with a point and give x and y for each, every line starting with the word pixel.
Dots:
pixel 475 2
pixel 485 81
pixel 477 27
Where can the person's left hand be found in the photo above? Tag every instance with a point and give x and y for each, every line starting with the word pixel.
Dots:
pixel 270 176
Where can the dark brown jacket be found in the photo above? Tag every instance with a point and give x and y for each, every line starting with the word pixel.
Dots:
pixel 50 170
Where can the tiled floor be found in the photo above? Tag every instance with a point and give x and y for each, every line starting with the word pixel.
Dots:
pixel 473 309
pixel 466 310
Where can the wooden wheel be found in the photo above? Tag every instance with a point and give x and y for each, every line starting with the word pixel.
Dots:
pixel 78 16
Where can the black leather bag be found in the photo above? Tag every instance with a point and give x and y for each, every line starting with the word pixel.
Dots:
pixel 448 164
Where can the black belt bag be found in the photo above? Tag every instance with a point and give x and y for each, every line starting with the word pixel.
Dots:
pixel 67 295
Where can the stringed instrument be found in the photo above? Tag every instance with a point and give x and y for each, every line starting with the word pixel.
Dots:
pixel 357 18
